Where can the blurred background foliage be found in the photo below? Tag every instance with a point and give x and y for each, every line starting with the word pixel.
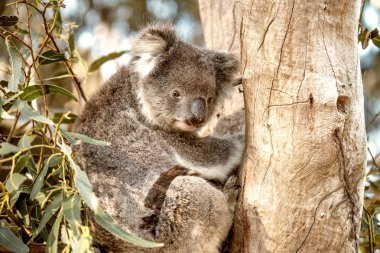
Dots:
pixel 102 31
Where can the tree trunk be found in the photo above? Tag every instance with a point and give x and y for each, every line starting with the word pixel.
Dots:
pixel 304 168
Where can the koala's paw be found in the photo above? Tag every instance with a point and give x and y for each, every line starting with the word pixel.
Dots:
pixel 149 223
pixel 231 190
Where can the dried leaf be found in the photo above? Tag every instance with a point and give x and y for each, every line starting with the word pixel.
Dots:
pixel 8 20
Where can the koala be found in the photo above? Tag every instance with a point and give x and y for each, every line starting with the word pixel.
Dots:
pixel 159 180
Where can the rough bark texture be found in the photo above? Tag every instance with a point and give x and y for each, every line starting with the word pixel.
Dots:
pixel 303 173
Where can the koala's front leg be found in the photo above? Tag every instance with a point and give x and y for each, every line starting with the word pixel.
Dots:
pixel 195 217
pixel 210 158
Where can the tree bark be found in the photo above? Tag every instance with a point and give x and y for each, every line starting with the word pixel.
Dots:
pixel 304 168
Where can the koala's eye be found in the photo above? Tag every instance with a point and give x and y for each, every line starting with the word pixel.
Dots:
pixel 176 94
pixel 209 100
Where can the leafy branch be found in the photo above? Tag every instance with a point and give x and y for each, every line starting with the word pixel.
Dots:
pixel 44 194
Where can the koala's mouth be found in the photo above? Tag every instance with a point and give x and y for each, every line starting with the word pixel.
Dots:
pixel 185 126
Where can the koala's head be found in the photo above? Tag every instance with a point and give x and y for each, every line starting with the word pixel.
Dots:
pixel 179 83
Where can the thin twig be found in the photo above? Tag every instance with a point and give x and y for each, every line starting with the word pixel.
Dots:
pixel 372 120
pixel 68 67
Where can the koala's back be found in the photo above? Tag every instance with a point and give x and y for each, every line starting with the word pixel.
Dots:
pixel 122 173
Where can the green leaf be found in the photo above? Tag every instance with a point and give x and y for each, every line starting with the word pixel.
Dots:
pixel 52 241
pixel 16 64
pixel 21 162
pixel 22 208
pixel 105 221
pixel 71 210
pixel 376 41
pixel 83 245
pixel 8 20
pixel 99 62
pixel 34 91
pixel 70 118
pixel 51 56
pixel 13 184
pixel 11 242
pixel 36 217
pixel 68 137
pixel 7 148
pixel 24 142
pixel 54 160
pixel 57 18
pixel 84 187
pixel 87 139
pixel 49 212
pixel 10 99
pixel 38 182
pixel 31 166
pixel 20 30
pixel 30 113
pixel 71 41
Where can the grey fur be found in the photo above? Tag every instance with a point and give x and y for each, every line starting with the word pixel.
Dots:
pixel 149 131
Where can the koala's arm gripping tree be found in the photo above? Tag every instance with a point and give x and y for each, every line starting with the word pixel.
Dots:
pixel 303 173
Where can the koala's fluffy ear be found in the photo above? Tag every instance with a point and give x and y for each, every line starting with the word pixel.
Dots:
pixel 151 43
pixel 227 70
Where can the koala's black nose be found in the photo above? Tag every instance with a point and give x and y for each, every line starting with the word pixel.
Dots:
pixel 198 111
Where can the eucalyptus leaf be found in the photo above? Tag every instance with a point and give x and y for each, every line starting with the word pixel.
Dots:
pixel 13 184
pixel 105 221
pixel 7 148
pixel 71 41
pixel 10 99
pixel 87 139
pixel 16 64
pixel 11 242
pixel 49 212
pixel 38 182
pixel 51 56
pixel 24 142
pixel 68 119
pixel 22 208
pixel 54 160
pixel 34 91
pixel 36 216
pixel 83 245
pixel 52 241
pixel 84 187
pixel 68 137
pixel 57 19
pixel 20 30
pixel 71 210
pixel 41 198
pixel 31 166
pixel 376 41
pixel 99 62
pixel 30 113
pixel 21 162
pixel 8 20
